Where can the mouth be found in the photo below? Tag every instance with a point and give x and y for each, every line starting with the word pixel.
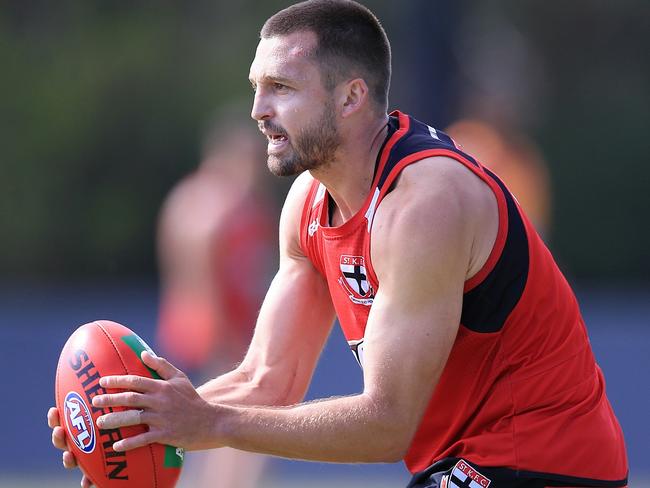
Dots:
pixel 276 139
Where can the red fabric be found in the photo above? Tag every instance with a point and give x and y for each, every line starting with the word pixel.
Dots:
pixel 527 397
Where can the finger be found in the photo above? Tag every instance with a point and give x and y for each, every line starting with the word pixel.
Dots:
pixel 69 461
pixel 53 417
pixel 124 399
pixel 164 368
pixel 129 382
pixel 120 419
pixel 58 438
pixel 135 441
pixel 85 480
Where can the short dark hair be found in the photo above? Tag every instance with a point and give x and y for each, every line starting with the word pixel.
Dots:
pixel 351 42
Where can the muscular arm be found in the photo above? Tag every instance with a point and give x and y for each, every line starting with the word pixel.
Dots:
pixel 288 339
pixel 430 234
pixel 294 322
pixel 423 238
pixel 291 331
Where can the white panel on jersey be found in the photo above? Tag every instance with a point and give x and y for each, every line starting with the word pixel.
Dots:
pixel 370 214
pixel 320 193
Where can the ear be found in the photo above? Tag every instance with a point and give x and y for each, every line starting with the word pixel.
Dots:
pixel 354 96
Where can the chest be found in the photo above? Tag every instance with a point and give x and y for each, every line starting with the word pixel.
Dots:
pixel 345 262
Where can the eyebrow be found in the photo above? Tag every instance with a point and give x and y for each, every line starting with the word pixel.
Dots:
pixel 273 79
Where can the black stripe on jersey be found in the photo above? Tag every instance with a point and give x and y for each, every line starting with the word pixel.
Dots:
pixel 392 126
pixel 418 138
pixel 487 307
pixel 506 478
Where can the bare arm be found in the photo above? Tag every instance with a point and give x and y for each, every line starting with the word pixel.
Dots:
pixel 291 330
pixel 290 334
pixel 424 239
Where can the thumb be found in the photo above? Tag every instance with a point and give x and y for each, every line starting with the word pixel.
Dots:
pixel 164 369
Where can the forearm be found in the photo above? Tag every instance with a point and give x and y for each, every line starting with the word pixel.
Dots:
pixel 346 429
pixel 240 388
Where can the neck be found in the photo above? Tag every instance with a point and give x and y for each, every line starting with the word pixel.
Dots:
pixel 349 177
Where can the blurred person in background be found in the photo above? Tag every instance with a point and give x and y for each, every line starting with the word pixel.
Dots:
pixel 217 242
pixel 476 363
pixel 515 158
pixel 501 90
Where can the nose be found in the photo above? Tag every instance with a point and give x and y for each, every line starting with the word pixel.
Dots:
pixel 261 107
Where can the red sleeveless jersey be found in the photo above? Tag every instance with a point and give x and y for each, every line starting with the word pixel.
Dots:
pixel 521 389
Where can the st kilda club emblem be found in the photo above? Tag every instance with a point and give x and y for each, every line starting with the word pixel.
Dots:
pixel 354 279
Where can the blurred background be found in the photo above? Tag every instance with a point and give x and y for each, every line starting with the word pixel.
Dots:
pixel 106 106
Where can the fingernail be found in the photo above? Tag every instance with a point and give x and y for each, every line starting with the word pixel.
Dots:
pixel 102 381
pixel 117 446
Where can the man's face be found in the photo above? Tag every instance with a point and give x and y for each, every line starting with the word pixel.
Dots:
pixel 291 105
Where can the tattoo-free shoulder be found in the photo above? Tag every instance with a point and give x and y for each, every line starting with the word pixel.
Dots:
pixel 292 214
pixel 439 199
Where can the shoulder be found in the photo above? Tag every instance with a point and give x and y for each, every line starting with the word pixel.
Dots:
pixel 438 209
pixel 299 189
pixel 434 187
pixel 292 212
pixel 296 197
pixel 442 180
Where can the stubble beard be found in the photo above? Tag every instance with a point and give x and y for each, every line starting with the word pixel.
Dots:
pixel 313 147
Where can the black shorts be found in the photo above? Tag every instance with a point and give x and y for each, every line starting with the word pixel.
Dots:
pixel 459 473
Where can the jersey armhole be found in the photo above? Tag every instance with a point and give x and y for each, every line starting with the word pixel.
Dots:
pixel 502 230
pixel 502 207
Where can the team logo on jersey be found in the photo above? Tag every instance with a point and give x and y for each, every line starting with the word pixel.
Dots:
pixel 354 279
pixel 464 476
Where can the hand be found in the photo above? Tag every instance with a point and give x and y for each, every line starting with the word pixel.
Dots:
pixel 58 439
pixel 170 407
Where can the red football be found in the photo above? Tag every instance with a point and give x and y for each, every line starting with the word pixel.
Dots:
pixel 97 349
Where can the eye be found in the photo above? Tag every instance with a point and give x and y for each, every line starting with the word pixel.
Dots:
pixel 280 87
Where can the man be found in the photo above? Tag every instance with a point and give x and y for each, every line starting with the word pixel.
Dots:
pixel 477 369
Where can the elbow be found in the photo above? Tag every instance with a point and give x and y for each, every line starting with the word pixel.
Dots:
pixel 400 449
pixel 393 434
pixel 385 449
pixel 392 455
pixel 393 449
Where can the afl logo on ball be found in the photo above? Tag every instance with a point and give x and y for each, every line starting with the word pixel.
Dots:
pixel 79 422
